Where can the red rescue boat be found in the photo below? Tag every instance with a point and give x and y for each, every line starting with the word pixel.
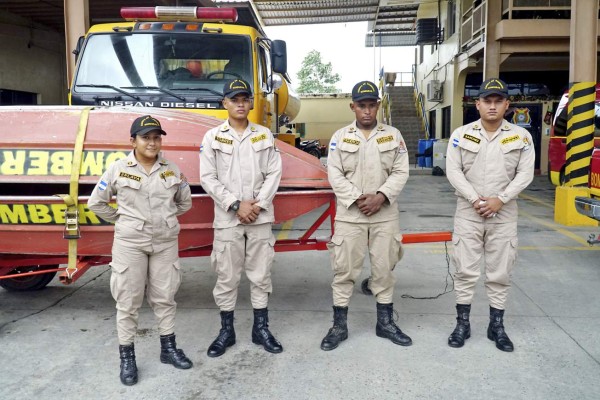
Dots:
pixel 38 149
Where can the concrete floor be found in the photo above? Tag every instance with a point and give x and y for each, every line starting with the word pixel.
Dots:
pixel 60 342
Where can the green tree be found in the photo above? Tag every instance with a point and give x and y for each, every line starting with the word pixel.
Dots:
pixel 315 76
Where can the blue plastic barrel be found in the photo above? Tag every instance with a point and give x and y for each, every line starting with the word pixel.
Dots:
pixel 429 160
pixel 421 149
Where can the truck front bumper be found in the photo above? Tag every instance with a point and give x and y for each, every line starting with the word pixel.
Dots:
pixel 588 207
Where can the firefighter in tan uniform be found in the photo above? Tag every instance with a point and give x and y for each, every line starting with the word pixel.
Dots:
pixel 489 162
pixel 367 167
pixel 151 192
pixel 240 168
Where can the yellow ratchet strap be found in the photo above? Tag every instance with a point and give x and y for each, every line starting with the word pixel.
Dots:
pixel 71 231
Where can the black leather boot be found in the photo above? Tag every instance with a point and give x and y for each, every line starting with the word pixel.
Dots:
pixel 339 331
pixel 170 354
pixel 261 334
pixel 496 331
pixel 226 337
pixel 463 327
pixel 387 328
pixel 128 375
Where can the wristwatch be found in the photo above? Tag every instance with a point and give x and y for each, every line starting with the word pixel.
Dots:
pixel 235 206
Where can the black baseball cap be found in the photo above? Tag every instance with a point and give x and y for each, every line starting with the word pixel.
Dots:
pixel 365 90
pixel 235 87
pixel 493 86
pixel 144 125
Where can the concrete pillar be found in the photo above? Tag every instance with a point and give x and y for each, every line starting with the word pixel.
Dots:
pixel 582 93
pixel 77 23
pixel 491 53
pixel 580 124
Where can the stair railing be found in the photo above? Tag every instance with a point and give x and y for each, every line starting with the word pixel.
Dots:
pixel 420 103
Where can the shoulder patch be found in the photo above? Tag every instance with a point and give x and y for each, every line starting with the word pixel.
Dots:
pixel 332 146
pixel 402 147
pixel 184 181
pixel 510 139
pixel 472 138
pixel 102 185
pixel 223 140
pixel 351 141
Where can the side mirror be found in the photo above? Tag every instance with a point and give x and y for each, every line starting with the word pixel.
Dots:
pixel 78 47
pixel 279 56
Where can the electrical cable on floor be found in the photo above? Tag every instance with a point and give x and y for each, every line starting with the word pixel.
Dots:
pixel 448 274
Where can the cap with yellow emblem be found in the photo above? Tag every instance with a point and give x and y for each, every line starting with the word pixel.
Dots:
pixel 493 86
pixel 365 90
pixel 145 124
pixel 236 86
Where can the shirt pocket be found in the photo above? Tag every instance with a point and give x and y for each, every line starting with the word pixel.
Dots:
pixel 470 150
pixel 223 156
pixel 512 155
pixel 387 155
pixel 349 155
pixel 261 148
pixel 128 189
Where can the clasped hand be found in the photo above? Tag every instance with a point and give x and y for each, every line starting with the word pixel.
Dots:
pixel 370 204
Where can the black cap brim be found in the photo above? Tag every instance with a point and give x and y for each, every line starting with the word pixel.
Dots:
pixel 236 92
pixel 148 129
pixel 493 92
pixel 365 97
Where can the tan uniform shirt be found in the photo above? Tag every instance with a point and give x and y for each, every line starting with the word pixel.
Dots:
pixel 498 167
pixel 148 203
pixel 240 168
pixel 357 165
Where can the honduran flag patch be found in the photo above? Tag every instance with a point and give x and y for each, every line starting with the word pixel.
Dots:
pixel 102 185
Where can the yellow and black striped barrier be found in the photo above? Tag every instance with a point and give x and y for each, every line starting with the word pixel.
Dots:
pixel 580 133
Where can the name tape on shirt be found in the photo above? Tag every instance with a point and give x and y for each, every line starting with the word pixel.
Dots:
pixel 351 141
pixel 472 138
pixel 129 176
pixel 385 139
pixel 258 138
pixel 510 139
pixel 167 174
pixel 223 140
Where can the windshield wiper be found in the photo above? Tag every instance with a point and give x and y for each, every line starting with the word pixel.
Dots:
pixel 163 90
pixel 110 87
pixel 204 89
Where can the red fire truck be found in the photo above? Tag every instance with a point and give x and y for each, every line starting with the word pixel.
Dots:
pixel 557 148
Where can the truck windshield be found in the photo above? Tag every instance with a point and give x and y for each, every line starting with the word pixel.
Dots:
pixel 163 64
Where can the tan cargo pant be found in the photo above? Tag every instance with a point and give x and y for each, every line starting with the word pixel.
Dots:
pixel 497 245
pixel 132 270
pixel 348 248
pixel 243 247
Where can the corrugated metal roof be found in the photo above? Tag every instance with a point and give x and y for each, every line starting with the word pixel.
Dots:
pixel 394 17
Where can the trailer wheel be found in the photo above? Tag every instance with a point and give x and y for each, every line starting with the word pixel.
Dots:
pixel 315 153
pixel 32 282
pixel 364 286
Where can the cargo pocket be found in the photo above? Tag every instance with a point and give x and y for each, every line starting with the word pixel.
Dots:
pixel 455 253
pixel 512 256
pixel 339 261
pixel 119 288
pixel 175 279
pixel 398 249
pixel 217 255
